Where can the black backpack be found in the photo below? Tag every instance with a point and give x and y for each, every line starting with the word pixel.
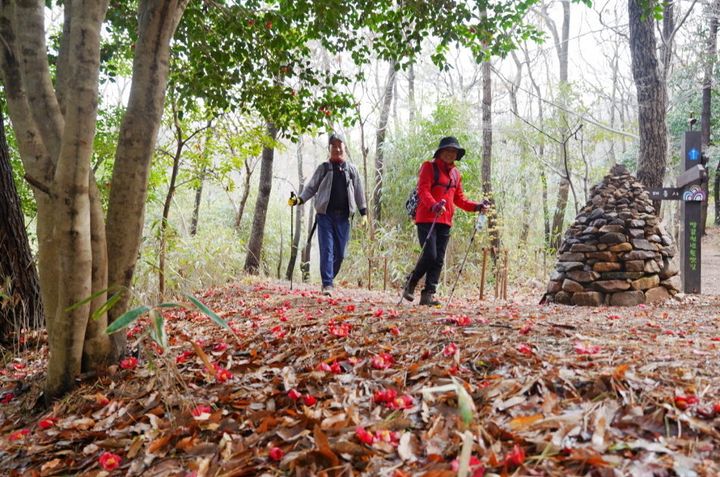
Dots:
pixel 412 202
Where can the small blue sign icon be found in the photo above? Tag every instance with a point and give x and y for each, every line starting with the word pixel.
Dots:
pixel 693 154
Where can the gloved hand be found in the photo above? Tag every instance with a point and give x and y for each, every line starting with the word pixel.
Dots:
pixel 364 221
pixel 294 200
pixel 438 208
pixel 483 206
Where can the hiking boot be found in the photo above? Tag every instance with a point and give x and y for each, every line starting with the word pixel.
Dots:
pixel 327 290
pixel 409 291
pixel 428 299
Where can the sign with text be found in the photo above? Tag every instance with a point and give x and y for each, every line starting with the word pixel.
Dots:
pixel 690 213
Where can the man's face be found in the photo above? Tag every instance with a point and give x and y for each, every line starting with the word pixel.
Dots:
pixel 337 150
pixel 448 155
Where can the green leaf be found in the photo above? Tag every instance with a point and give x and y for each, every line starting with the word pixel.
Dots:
pixel 112 301
pixel 86 300
pixel 207 311
pixel 126 318
pixel 159 323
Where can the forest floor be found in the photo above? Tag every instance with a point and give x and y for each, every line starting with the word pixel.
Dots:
pixel 355 385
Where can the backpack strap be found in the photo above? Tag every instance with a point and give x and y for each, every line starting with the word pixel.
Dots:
pixel 328 168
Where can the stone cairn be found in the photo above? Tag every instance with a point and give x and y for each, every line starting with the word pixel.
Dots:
pixel 617 252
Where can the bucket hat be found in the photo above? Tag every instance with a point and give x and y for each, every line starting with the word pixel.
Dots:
pixel 336 136
pixel 450 142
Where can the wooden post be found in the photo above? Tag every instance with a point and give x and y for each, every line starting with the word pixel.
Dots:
pixel 505 275
pixel 482 272
pixel 385 274
pixel 369 273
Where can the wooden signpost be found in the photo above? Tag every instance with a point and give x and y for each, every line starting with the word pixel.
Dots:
pixel 689 190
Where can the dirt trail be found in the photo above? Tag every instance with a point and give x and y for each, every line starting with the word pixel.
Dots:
pixel 711 262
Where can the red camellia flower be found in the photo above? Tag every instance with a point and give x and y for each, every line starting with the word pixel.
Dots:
pixel 183 357
pixel 294 394
pixel 684 402
pixel 462 320
pixel 391 437
pixel 378 313
pixel 364 436
pixel 395 331
pixel 515 457
pixel 17 435
pixel 384 395
pixel 47 423
pixel 525 349
pixel 276 454
pixel 7 397
pixel 401 402
pixel 475 466
pixel 222 374
pixel 526 329
pixel 109 461
pixel 323 366
pixel 716 407
pixel 382 361
pixel 335 368
pixel 129 363
pixel 350 308
pixel 450 349
pixel 582 348
pixel 201 412
pixel 309 400
pixel 220 347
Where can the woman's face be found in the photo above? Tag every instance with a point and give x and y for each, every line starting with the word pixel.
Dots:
pixel 448 155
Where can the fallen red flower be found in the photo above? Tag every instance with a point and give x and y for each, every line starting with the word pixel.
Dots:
pixel 309 400
pixel 109 461
pixel 276 454
pixel 683 402
pixel 47 423
pixel 450 350
pixel 129 363
pixel 222 374
pixel 582 348
pixel 382 361
pixel 364 436
pixel 17 435
pixel 515 457
pixel 294 394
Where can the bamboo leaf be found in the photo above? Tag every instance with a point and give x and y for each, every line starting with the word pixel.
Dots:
pixel 126 318
pixel 207 312
pixel 105 307
pixel 159 323
pixel 87 300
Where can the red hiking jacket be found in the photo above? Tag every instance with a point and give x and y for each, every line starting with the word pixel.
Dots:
pixel 448 187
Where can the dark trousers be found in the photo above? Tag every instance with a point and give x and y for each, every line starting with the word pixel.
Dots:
pixel 333 234
pixel 433 257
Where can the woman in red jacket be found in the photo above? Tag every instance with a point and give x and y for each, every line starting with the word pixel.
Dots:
pixel 439 191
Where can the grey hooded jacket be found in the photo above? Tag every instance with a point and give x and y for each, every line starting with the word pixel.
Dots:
pixel 320 185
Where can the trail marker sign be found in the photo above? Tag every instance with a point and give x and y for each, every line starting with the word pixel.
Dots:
pixel 690 191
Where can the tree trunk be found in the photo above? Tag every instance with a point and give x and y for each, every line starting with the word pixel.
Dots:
pixel 166 209
pixel 157 22
pixel 298 217
pixel 20 303
pixel 562 48
pixel 257 235
pixel 486 171
pixel 245 194
pixel 380 139
pixel 411 93
pixel 710 56
pixel 73 229
pixel 198 200
pixel 651 98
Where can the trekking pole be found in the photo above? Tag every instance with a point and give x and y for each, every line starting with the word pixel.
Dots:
pixel 292 237
pixel 479 224
pixel 422 250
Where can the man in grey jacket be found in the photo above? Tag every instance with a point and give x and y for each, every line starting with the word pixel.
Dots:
pixel 338 193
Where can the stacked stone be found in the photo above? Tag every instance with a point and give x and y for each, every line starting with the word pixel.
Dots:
pixel 616 253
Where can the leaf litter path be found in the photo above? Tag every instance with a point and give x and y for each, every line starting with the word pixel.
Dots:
pixel 343 386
